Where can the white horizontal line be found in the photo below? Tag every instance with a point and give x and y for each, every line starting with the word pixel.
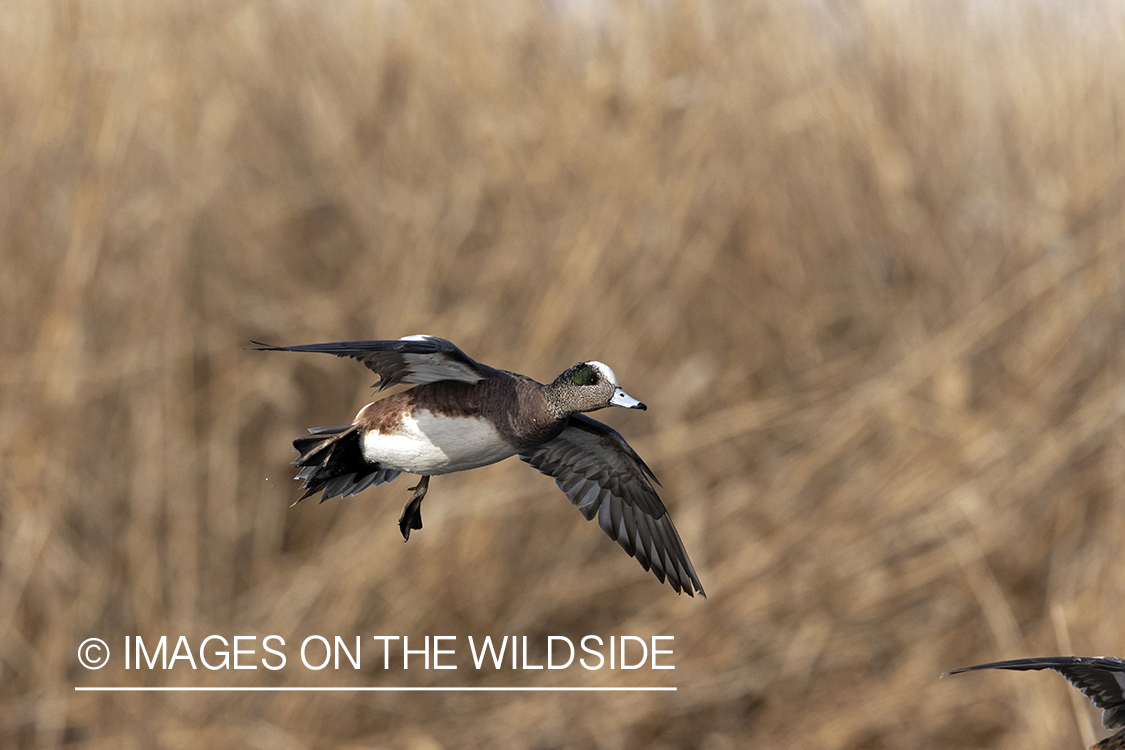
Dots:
pixel 373 689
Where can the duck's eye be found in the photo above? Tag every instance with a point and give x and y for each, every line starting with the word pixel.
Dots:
pixel 584 375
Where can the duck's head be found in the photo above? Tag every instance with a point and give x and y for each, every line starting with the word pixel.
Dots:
pixel 589 386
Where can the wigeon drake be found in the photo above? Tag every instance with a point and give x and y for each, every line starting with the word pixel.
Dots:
pixel 462 414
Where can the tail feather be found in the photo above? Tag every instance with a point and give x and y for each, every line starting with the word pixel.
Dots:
pixel 332 460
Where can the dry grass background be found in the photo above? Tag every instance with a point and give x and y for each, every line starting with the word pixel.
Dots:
pixel 863 260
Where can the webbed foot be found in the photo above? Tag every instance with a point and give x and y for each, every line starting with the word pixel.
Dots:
pixel 411 517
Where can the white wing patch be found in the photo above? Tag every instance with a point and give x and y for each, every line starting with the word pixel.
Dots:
pixel 429 368
pixel 428 444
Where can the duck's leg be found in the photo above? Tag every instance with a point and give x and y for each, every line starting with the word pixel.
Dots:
pixel 411 517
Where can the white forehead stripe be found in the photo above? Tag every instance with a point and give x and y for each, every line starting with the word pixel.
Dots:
pixel 604 370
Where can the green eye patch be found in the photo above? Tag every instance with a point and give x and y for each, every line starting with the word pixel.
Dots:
pixel 583 375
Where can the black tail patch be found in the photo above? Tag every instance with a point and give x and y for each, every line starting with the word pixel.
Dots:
pixel 332 460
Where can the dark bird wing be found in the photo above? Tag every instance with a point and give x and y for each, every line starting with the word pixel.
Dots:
pixel 413 359
pixel 598 471
pixel 1100 678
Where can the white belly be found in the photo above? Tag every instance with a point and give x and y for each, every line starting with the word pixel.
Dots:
pixel 427 445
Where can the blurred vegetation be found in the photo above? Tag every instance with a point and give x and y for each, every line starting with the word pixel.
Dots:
pixel 862 259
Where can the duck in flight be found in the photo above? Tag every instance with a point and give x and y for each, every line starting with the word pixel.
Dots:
pixel 462 414
pixel 1100 678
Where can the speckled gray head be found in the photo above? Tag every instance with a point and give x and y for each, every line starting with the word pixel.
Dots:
pixel 589 386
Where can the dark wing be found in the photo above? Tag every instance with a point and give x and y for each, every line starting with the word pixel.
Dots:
pixel 1100 678
pixel 413 359
pixel 594 466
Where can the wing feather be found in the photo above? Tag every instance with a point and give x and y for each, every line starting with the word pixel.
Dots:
pixel 1100 678
pixel 605 478
pixel 413 359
